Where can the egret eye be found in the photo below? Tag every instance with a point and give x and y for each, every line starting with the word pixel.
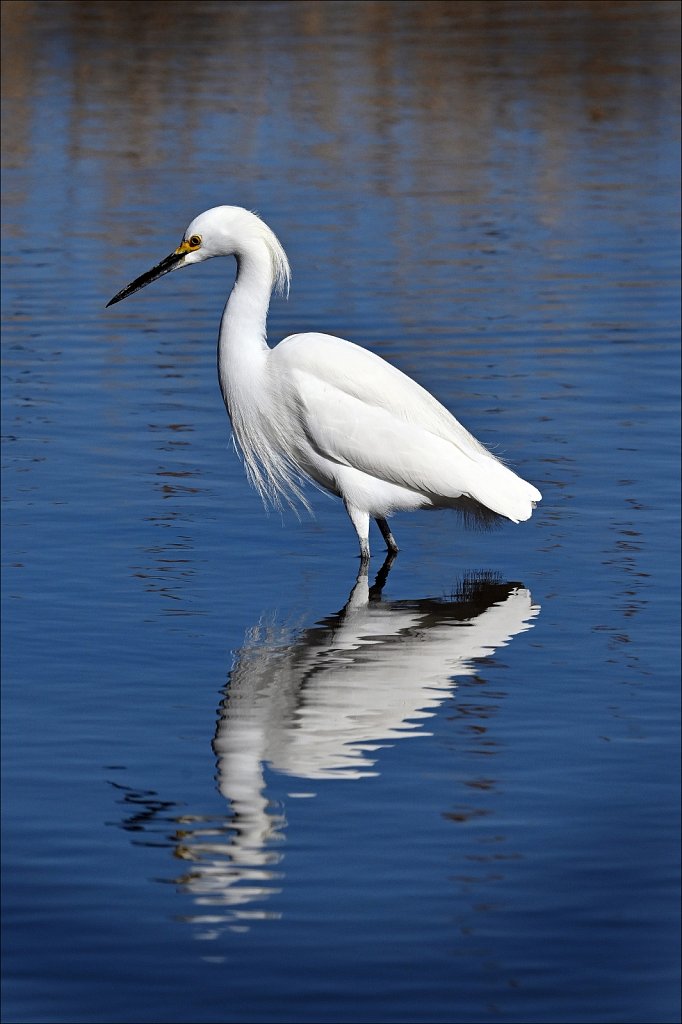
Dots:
pixel 195 241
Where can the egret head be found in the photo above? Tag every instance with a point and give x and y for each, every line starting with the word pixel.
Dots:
pixel 222 231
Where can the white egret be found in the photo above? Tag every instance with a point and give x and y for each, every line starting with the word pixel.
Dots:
pixel 320 408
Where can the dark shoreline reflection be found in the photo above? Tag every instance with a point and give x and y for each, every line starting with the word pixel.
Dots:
pixel 320 704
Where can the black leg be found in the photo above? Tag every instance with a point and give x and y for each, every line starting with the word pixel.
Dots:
pixel 387 535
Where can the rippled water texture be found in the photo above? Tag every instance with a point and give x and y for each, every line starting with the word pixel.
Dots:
pixel 242 784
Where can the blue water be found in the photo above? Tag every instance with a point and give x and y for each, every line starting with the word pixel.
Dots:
pixel 239 784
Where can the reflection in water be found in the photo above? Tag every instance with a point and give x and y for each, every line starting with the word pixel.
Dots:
pixel 319 705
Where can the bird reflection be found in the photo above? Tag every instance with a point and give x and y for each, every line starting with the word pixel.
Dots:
pixel 321 704
pixel 318 704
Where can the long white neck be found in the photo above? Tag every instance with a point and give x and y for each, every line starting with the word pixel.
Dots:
pixel 242 345
pixel 253 404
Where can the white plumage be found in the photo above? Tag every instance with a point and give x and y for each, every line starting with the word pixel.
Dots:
pixel 322 408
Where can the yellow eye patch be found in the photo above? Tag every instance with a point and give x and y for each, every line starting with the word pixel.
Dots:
pixel 188 245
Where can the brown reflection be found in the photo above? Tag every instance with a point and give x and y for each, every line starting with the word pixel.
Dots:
pixel 143 77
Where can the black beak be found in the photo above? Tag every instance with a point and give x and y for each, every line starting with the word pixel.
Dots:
pixel 164 267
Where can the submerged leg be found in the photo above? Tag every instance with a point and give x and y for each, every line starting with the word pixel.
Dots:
pixel 360 521
pixel 387 535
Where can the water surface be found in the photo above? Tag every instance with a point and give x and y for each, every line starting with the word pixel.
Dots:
pixel 241 783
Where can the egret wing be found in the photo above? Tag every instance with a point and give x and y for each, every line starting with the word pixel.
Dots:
pixel 359 411
pixel 366 376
